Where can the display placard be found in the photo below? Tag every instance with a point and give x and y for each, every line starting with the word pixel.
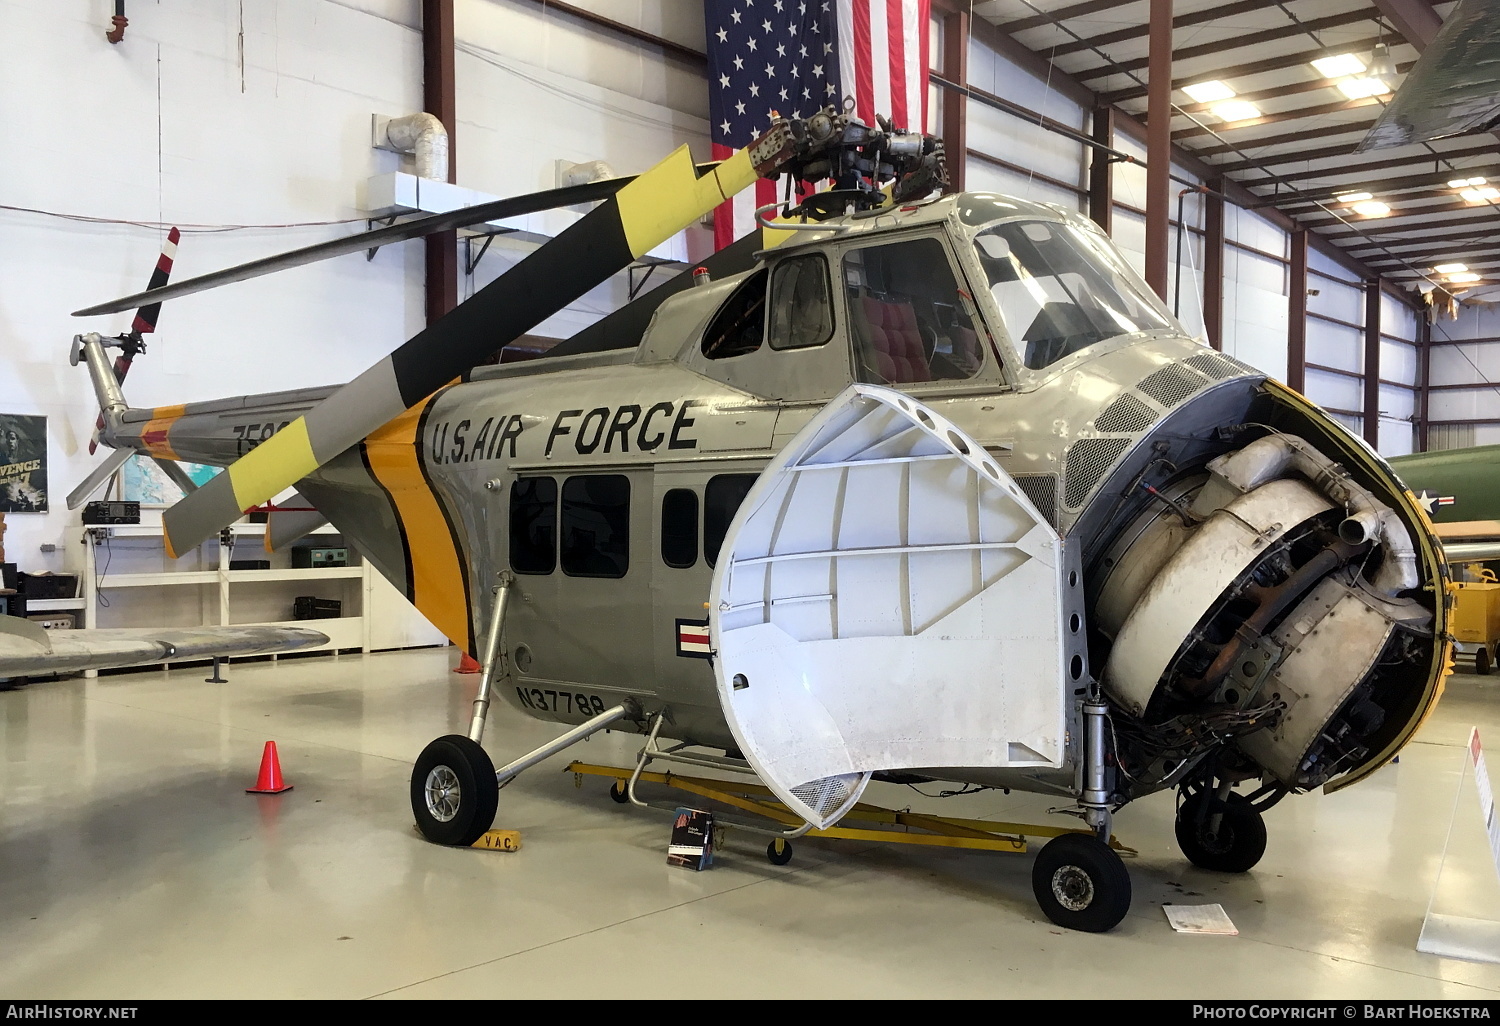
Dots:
pixel 23 464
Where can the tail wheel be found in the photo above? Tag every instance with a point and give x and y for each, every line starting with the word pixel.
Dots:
pixel 453 791
pixel 1081 883
pixel 1233 846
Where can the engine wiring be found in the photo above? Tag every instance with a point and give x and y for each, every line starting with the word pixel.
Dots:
pixel 966 789
pixel 1187 735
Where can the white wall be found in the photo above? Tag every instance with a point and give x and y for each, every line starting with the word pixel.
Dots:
pixel 159 128
pixel 168 127
pixel 1474 363
pixel 1018 142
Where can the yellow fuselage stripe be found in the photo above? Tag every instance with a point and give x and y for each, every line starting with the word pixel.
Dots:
pixel 437 568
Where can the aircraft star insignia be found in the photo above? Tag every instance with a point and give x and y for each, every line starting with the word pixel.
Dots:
pixel 1431 500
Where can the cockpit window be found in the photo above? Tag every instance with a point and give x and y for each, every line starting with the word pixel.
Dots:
pixel 1060 288
pixel 800 310
pixel 907 318
pixel 740 324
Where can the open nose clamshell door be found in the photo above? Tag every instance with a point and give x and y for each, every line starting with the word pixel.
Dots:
pixel 887 598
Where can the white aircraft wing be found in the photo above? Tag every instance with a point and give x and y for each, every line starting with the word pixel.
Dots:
pixel 28 650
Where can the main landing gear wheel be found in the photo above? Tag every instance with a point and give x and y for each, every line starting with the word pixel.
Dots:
pixel 1237 844
pixel 779 852
pixel 1081 883
pixel 453 791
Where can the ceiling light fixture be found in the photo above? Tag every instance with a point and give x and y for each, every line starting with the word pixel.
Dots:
pixel 1481 195
pixel 1451 268
pixel 1382 64
pixel 1339 65
pixel 1352 197
pixel 1235 110
pixel 1209 92
pixel 1463 278
pixel 1363 88
pixel 1371 208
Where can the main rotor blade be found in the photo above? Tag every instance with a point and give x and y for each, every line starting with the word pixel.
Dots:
pixel 1453 89
pixel 512 206
pixel 641 216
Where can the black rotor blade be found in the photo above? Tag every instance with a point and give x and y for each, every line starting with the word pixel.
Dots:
pixel 511 206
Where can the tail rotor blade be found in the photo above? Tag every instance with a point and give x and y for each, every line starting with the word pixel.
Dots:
pixel 145 317
pixel 640 216
pixel 103 472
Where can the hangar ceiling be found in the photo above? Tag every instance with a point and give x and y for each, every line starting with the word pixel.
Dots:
pixel 1293 144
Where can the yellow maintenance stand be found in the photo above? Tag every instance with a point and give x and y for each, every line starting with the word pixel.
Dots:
pixel 891 826
pixel 1476 615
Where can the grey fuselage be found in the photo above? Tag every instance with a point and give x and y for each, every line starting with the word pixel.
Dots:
pixel 1078 435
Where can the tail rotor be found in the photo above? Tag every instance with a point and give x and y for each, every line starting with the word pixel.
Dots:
pixel 131 344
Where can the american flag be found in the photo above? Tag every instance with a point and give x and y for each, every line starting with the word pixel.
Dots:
pixel 793 57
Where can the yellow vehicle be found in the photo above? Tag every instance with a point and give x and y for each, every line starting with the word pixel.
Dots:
pixel 1476 616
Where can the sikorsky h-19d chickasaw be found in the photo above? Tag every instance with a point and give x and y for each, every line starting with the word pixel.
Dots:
pixel 901 486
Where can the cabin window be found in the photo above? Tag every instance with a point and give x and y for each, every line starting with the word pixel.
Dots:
pixel 679 528
pixel 596 525
pixel 533 525
pixel 721 500
pixel 740 323
pixel 801 312
pixel 907 317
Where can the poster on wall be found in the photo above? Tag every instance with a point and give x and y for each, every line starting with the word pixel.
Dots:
pixel 141 480
pixel 23 464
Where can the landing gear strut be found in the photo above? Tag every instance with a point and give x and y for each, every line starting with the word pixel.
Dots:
pixel 1078 880
pixel 455 788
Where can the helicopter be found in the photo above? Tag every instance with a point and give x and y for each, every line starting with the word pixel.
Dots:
pixel 901 485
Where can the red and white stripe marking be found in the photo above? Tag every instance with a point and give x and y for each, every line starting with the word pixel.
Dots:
pixel 692 638
pixel 883 53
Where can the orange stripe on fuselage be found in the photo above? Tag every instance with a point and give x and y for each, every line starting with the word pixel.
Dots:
pixel 154 434
pixel 437 567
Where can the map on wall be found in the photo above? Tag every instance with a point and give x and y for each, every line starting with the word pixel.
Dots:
pixel 141 480
pixel 23 464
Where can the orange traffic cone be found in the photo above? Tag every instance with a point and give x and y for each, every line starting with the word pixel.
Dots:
pixel 468 664
pixel 269 781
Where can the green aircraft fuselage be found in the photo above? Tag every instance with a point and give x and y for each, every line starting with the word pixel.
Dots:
pixel 1454 485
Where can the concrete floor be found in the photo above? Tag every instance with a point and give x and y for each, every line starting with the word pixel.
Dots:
pixel 133 865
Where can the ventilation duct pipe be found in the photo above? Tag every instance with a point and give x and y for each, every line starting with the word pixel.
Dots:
pixel 423 135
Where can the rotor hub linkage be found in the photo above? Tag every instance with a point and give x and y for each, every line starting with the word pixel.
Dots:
pixel 860 159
